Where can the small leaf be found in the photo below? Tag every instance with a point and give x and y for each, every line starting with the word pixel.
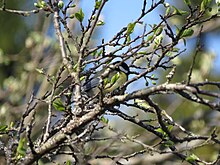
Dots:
pixel 11 124
pixel 58 105
pixel 191 158
pixel 82 78
pixel 40 70
pixel 72 16
pixel 167 11
pixel 178 11
pixel 100 23
pixel 160 130
pixel 170 127
pixel 150 37
pixel 175 50
pixel 187 33
pixel 21 151
pixel 60 4
pixel 100 53
pixel 94 53
pixel 130 28
pixel 43 4
pixel 75 67
pixel 154 82
pixel 142 52
pixel 68 162
pixel 168 143
pixel 205 4
pixel 169 53
pixel 106 81
pixel 3 128
pixel 104 120
pixel 184 41
pixel 128 39
pixel 98 4
pixel 158 31
pixel 158 39
pixel 79 15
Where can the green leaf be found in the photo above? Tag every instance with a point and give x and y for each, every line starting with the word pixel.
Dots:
pixel 43 4
pixel 168 143
pixel 79 15
pixel 205 4
pixel 187 33
pixel 72 16
pixel 154 82
pixel 21 150
pixel 150 37
pixel 187 2
pixel 3 128
pixel 98 4
pixel 160 130
pixel 175 50
pixel 58 105
pixel 191 158
pixel 130 28
pixel 82 78
pixel 158 39
pixel 170 127
pixel 100 23
pixel 104 120
pixel 106 81
pixel 158 31
pixel 40 70
pixel 128 39
pixel 99 53
pixel 11 124
pixel 94 53
pixel 167 11
pixel 68 162
pixel 75 67
pixel 169 53
pixel 60 4
pixel 142 52
pixel 178 11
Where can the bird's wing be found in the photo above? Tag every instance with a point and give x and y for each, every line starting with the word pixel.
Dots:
pixel 90 84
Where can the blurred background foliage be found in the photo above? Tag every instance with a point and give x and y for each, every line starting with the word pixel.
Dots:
pixel 27 43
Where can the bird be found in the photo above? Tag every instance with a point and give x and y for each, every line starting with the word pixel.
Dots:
pixel 112 78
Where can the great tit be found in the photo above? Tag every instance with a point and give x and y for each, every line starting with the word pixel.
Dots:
pixel 114 76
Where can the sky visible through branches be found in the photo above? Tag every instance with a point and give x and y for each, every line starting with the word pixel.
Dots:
pixel 118 13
